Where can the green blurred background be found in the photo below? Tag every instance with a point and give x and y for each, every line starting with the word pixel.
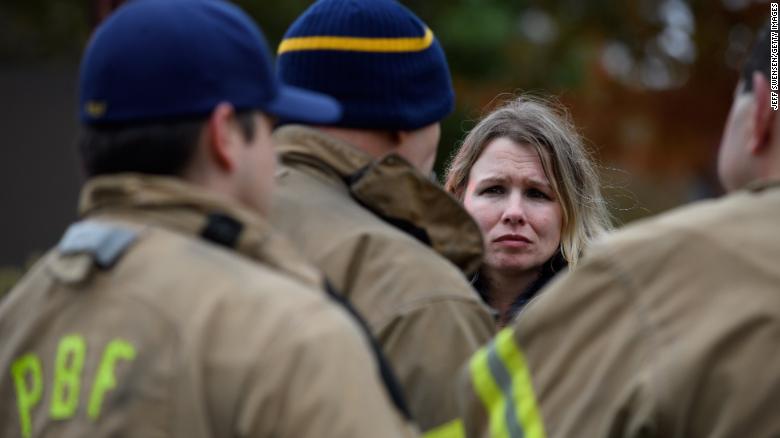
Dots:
pixel 648 82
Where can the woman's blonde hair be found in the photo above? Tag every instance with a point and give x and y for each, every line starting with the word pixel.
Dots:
pixel 548 128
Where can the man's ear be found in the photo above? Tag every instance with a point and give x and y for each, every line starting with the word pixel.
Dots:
pixel 763 115
pixel 220 136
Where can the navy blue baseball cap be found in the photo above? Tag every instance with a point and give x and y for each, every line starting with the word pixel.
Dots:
pixel 155 60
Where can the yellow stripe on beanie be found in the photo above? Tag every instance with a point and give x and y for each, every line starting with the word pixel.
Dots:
pixel 358 44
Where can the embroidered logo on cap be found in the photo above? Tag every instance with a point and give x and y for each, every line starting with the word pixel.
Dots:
pixel 95 108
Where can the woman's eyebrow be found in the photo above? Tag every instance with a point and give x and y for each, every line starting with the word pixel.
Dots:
pixel 539 182
pixel 493 179
pixel 503 179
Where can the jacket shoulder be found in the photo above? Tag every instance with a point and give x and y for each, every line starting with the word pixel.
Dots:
pixel 376 265
pixel 189 267
pixel 709 215
pixel 663 307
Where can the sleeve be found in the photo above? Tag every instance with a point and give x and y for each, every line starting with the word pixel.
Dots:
pixel 319 379
pixel 427 346
pixel 575 363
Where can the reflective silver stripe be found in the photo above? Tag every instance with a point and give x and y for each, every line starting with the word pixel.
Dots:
pixel 504 381
pixel 104 242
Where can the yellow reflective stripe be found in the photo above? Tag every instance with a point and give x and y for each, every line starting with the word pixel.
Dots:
pixel 358 44
pixel 522 387
pixel 453 429
pixel 488 391
pixel 502 381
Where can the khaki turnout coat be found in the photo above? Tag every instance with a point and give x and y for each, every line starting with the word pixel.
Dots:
pixel 669 328
pixel 396 246
pixel 168 312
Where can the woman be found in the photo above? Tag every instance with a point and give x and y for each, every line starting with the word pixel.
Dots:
pixel 525 176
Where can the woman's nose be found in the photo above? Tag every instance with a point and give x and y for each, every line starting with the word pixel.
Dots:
pixel 514 214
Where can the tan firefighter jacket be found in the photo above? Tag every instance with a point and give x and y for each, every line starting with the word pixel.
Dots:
pixel 170 312
pixel 669 328
pixel 392 242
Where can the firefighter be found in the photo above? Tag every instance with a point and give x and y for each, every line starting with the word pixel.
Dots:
pixel 355 194
pixel 171 309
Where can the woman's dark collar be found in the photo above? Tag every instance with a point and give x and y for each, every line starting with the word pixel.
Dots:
pixel 550 269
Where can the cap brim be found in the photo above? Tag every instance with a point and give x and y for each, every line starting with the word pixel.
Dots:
pixel 299 105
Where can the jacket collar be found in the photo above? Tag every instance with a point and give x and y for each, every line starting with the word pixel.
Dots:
pixel 177 205
pixel 301 143
pixel 391 188
pixel 760 186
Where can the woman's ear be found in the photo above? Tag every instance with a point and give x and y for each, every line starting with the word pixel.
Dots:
pixel 763 115
pixel 220 135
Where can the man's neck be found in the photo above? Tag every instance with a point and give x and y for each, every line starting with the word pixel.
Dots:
pixel 375 143
pixel 770 168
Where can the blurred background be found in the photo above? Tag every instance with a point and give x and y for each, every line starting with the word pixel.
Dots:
pixel 648 82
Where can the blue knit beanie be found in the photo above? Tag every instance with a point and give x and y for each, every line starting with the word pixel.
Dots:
pixel 378 59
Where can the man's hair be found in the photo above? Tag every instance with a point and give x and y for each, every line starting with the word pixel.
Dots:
pixel 156 148
pixel 758 60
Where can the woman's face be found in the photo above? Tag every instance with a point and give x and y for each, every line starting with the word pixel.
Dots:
pixel 514 204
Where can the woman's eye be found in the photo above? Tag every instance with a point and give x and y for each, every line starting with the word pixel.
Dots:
pixel 493 190
pixel 538 194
